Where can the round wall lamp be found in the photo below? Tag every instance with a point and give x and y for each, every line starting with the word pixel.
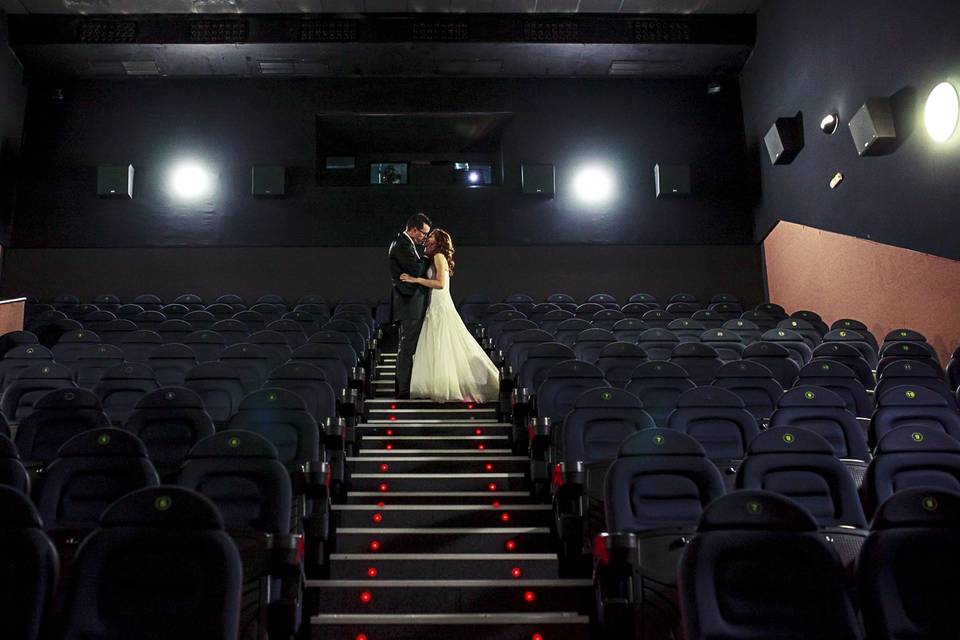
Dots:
pixel 829 123
pixel 942 111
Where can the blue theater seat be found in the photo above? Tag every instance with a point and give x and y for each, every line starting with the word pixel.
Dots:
pixel 28 568
pixel 568 330
pixel 629 329
pixel 775 358
pixel 906 574
pixel 803 328
pixel 19 358
pixel 748 331
pixel 252 361
pixel 12 472
pixel 281 417
pixel 590 342
pixel 849 357
pixel 913 405
pixel 617 360
pixel 813 318
pixel 908 457
pixel 840 379
pixel 122 386
pixel 728 345
pixel 700 361
pixel 31 384
pixel 736 581
pixel 219 387
pixel 866 348
pixel 59 416
pixel 718 420
pixel 658 343
pixel 825 413
pixel 159 566
pixel 893 352
pixel 793 342
pixel 686 330
pixel 206 344
pixel 169 421
pixel 916 373
pixel 171 362
pixel 659 386
pixel 753 383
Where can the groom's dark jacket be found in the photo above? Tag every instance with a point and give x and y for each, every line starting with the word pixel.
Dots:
pixel 409 300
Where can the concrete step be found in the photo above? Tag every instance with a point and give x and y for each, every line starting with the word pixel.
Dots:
pixel 386 482
pixel 440 515
pixel 437 464
pixel 449 596
pixel 436 566
pixel 376 413
pixel 435 429
pixel 445 540
pixel 443 626
pixel 441 497
pixel 435 442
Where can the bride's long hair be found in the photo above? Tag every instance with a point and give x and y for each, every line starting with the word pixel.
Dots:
pixel 444 246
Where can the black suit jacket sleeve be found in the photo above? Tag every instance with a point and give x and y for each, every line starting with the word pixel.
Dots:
pixel 403 259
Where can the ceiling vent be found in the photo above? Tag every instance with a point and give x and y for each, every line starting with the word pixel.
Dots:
pixel 218 31
pixel 108 32
pixel 440 31
pixel 140 68
pixel 551 31
pixel 328 30
pixel 662 31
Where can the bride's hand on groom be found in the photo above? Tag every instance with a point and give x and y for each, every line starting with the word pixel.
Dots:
pixel 406 277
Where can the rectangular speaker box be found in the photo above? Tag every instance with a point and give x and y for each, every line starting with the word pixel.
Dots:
pixel 115 181
pixel 784 140
pixel 269 181
pixel 872 128
pixel 672 180
pixel 537 179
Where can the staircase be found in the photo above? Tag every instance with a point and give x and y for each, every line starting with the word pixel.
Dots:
pixel 439 537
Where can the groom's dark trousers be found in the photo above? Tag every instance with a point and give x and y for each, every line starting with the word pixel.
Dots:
pixel 409 306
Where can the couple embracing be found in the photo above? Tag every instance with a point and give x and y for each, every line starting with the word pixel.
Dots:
pixel 438 358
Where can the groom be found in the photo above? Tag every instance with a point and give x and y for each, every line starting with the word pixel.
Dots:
pixel 409 300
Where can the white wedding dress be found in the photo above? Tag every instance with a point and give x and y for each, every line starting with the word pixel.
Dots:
pixel 450 365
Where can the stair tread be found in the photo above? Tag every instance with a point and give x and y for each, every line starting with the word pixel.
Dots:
pixel 442 507
pixel 463 584
pixel 441 530
pixel 450 618
pixel 443 556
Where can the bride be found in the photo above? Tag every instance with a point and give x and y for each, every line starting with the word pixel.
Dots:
pixel 449 365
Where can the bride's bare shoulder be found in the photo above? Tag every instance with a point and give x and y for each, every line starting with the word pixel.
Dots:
pixel 440 260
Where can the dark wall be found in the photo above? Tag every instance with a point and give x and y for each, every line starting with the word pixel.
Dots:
pixel 13 97
pixel 818 56
pixel 235 123
pixel 336 272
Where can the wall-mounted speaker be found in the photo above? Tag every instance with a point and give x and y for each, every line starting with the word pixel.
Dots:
pixel 784 140
pixel 672 180
pixel 537 179
pixel 872 128
pixel 115 181
pixel 269 181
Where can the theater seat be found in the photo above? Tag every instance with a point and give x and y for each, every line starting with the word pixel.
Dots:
pixel 12 472
pixel 19 358
pixel 658 343
pixel 841 380
pixel 908 567
pixel 659 386
pixel 31 384
pixel 916 373
pixel 281 417
pixel 913 406
pixel 617 360
pixel 718 420
pixel 28 568
pixel 159 566
pixel 728 345
pixel 736 581
pixel 219 387
pixel 825 413
pixel 121 387
pixel 908 457
pixel 775 358
pixel 700 361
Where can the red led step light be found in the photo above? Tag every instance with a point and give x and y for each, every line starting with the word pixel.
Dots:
pixel 479 432
pixel 372 572
pixel 492 486
pixel 389 446
pixel 365 597
pixel 488 466
pixel 393 417
pixel 384 467
pixel 389 432
pixel 393 406
pixel 375 545
pixel 470 405
pixel 383 486
pixel 505 517
pixel 516 572
pixel 481 446
pixel 378 518
pixel 381 504
pixel 536 636
pixel 529 596
pixel 495 504
pixel 363 636
pixel 510 545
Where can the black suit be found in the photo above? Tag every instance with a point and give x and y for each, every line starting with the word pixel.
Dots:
pixel 409 305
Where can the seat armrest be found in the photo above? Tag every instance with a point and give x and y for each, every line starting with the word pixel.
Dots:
pixel 539 431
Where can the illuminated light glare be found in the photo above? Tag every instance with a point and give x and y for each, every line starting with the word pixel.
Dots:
pixel 496 504
pixel 389 432
pixel 473 177
pixel 593 185
pixel 381 504
pixel 488 466
pixel 510 545
pixel 384 467
pixel 383 486
pixel 470 405
pixel 529 596
pixel 536 636
pixel 516 572
pixel 378 517
pixel 481 446
pixel 389 447
pixel 505 517
pixel 372 572
pixel 375 545
pixel 393 406
pixel 363 636
pixel 479 432
pixel 492 486
pixel 190 181
pixel 365 597
pixel 941 112
pixel 393 417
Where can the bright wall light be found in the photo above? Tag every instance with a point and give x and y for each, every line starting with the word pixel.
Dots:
pixel 593 184
pixel 190 180
pixel 942 111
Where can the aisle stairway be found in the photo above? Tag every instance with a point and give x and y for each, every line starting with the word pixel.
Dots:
pixel 439 537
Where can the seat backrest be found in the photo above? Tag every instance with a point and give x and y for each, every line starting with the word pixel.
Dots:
pixel 220 312
pixel 700 361
pixel 148 301
pixel 240 472
pixel 847 355
pixel 93 361
pixel 19 358
pixel 587 310
pixel 252 361
pixel 646 298
pixel 775 358
pixel 849 324
pixel 753 384
pixel 588 343
pixel 310 383
pixel 190 300
pixel 856 340
pixel 159 560
pixel 708 318
pixel 906 574
pixel 635 310
pixel 761 319
pixel 169 421
pixel 563 384
pixel 793 342
pixel 138 345
pixel 327 360
pixel 735 580
pixel 810 335
pixel 658 318
pixel 813 318
pixel 825 413
pixel 540 359
pixel 339 343
pixel 219 386
pixel 841 379
pixel 32 384
pixel 728 345
pixel 686 330
pixel 552 320
pixel 914 372
pixel 251 319
pixel 72 344
pixel 660 479
pixel 606 318
pixel 171 362
pixel 12 472
pixel 92 469
pixel 208 345
pixel 801 465
pixel 717 419
pixel 233 331
pixel 659 386
pixel 629 329
pixel 617 360
pixel 174 330
pixel 601 419
pixel 58 416
pixel 290 330
pixel 522 343
pixel 28 573
pixel 917 351
pixel 747 330
pixel 911 456
pixel 953 370
pixel 281 417
pixel 201 320
pixel 658 343
pixel 510 329
pixel 122 386
pixel 568 330
pixel 915 406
